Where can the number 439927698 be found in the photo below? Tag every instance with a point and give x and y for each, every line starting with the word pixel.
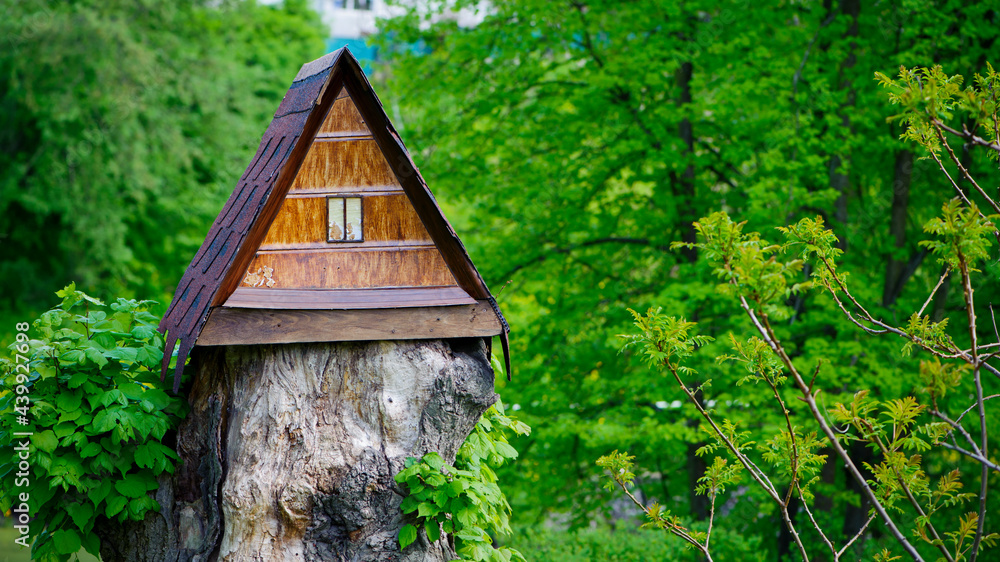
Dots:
pixel 21 402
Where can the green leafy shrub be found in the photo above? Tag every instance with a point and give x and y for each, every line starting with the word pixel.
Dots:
pixel 97 418
pixel 464 500
pixel 624 544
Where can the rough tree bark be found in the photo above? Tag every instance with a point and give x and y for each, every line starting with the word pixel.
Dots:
pixel 289 451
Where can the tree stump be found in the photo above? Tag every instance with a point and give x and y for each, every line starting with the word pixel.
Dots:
pixel 289 451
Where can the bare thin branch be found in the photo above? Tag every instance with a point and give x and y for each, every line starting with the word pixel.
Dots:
pixel 930 297
pixel 973 456
pixel 815 525
pixel 831 435
pixel 968 177
pixel 977 378
pixel 856 536
pixel 968 136
pixel 969 409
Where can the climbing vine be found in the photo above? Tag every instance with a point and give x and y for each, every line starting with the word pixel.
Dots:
pixel 82 391
pixel 464 500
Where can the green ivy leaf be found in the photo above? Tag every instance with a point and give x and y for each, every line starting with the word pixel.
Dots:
pixel 138 507
pixel 111 396
pixel 105 340
pixel 81 514
pixel 407 535
pixel 97 494
pixel 132 486
pixel 92 544
pixel 145 456
pixel 77 379
pixel 69 401
pixel 66 541
pixel 103 421
pixel 115 505
pixel 64 429
pixel 505 450
pixel 427 510
pixel 433 530
pixel 72 356
pixel 45 441
pixel 434 460
pixel 127 354
pixel 90 449
pixel 96 356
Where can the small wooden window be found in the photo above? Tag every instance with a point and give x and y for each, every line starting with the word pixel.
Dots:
pixel 344 219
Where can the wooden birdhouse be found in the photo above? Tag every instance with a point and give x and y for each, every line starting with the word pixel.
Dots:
pixel 330 235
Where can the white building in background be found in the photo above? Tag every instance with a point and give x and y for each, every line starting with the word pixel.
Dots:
pixel 350 22
pixel 351 19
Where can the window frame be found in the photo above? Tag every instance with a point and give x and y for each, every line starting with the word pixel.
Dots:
pixel 361 218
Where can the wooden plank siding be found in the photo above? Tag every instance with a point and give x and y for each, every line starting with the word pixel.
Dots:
pixel 344 118
pixel 355 268
pixel 347 163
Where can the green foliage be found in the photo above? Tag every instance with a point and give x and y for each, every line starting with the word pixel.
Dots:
pixel 97 415
pixel 664 339
pixel 756 273
pixel 620 466
pixel 746 263
pixel 626 545
pixel 930 98
pixel 923 331
pixel 796 456
pixel 758 359
pixel 464 500
pixel 555 137
pixel 124 127
pixel 966 235
pixel 551 133
pixel 718 476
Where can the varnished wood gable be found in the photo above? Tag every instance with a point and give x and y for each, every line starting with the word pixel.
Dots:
pixel 396 249
pixel 344 119
pixel 344 163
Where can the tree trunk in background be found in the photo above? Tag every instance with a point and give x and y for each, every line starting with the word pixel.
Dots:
pixel 838 179
pixel 897 226
pixel 685 182
pixel 856 515
pixel 289 451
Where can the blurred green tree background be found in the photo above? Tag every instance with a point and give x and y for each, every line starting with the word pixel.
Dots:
pixel 570 144
pixel 577 140
pixel 124 125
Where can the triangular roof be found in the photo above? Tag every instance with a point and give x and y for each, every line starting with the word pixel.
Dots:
pixel 218 267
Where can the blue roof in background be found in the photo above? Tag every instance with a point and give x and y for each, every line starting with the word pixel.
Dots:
pixel 361 51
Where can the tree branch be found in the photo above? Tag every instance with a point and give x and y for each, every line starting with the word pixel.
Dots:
pixel 588 243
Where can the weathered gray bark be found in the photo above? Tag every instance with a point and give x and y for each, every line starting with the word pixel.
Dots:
pixel 290 451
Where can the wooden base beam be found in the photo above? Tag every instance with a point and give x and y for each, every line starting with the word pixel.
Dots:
pixel 247 326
